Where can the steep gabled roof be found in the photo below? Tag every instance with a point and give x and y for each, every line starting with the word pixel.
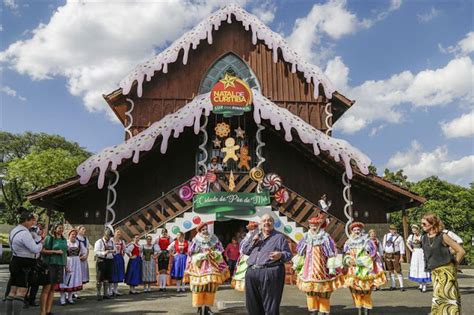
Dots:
pixel 203 30
pixel 190 115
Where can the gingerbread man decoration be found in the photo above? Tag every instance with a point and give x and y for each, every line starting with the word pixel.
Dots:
pixel 230 149
pixel 244 158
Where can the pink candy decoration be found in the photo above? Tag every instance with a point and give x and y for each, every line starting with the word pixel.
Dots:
pixel 211 177
pixel 272 182
pixel 198 184
pixel 282 196
pixel 186 193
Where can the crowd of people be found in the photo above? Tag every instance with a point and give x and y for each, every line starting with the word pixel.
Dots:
pixel 255 265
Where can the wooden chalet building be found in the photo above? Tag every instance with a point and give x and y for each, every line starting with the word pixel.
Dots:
pixel 168 108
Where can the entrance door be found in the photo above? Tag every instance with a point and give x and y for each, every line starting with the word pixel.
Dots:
pixel 225 230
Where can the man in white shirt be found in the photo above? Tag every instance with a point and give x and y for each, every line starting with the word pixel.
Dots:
pixel 394 249
pixel 25 246
pixel 104 250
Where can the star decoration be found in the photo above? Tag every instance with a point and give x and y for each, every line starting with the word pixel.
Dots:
pixel 240 133
pixel 217 143
pixel 228 81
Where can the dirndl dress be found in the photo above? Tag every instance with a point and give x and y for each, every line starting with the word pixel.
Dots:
pixel 417 264
pixel 148 261
pixel 72 281
pixel 118 269
pixel 179 266
pixel 84 264
pixel 133 276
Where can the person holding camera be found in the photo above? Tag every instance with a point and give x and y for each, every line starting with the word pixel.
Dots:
pixel 25 244
pixel 54 255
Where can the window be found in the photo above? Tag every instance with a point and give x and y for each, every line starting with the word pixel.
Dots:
pixel 232 64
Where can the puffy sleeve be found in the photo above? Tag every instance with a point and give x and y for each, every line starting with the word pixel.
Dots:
pixel 329 247
pixel 301 247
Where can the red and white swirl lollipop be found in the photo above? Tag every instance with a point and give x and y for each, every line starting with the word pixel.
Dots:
pixel 272 182
pixel 186 193
pixel 282 196
pixel 198 184
pixel 211 177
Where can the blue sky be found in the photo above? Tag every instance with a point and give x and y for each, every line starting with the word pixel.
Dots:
pixel 408 65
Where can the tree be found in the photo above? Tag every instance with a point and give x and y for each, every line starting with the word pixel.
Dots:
pixel 453 204
pixel 32 161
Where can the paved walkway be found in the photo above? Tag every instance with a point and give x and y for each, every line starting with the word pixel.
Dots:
pixel 230 301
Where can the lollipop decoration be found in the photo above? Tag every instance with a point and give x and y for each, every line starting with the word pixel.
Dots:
pixel 282 196
pixel 186 193
pixel 198 184
pixel 222 130
pixel 272 182
pixel 256 174
pixel 211 177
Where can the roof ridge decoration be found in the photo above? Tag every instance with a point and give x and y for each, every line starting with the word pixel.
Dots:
pixel 204 30
pixel 190 115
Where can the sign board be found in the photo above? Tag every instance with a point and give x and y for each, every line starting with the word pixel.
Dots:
pixel 231 96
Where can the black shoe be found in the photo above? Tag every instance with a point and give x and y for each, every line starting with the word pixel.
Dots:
pixel 207 310
pixel 34 304
pixel 199 310
pixel 99 298
pixel 106 297
pixel 402 289
pixel 392 288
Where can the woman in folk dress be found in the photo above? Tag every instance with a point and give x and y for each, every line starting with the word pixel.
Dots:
pixel 118 267
pixel 179 250
pixel 73 277
pixel 82 238
pixel 133 276
pixel 163 258
pixel 417 264
pixel 149 253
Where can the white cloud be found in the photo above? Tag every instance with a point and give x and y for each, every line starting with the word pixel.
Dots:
pixel 331 19
pixel 265 11
pixel 417 164
pixel 95 44
pixel 375 130
pixel 462 126
pixel 428 16
pixel 381 100
pixel 1 28
pixel 11 4
pixel 464 47
pixel 5 89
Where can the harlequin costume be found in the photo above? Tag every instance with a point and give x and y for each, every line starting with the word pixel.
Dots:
pixel 205 268
pixel 318 271
pixel 365 271
pixel 163 259
pixel 238 281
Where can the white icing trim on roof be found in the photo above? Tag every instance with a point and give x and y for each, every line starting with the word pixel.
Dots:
pixel 190 115
pixel 204 31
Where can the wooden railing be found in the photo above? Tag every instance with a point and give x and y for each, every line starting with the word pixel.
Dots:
pixel 170 205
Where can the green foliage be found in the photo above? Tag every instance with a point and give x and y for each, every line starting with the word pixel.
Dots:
pixel 32 161
pixel 453 204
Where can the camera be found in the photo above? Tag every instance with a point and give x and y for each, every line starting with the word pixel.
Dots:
pixel 34 229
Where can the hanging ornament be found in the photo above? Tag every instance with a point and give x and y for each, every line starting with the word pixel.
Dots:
pixel 222 130
pixel 272 182
pixel 244 158
pixel 186 193
pixel 256 174
pixel 198 184
pixel 239 133
pixel 282 196
pixel 231 181
pixel 230 149
pixel 217 143
pixel 211 177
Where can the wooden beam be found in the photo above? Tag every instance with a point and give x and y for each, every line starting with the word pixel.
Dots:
pixel 405 230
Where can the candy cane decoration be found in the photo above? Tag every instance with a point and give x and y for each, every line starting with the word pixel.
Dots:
pixel 347 208
pixel 111 199
pixel 258 151
pixel 130 117
pixel 260 145
pixel 202 147
pixel 328 116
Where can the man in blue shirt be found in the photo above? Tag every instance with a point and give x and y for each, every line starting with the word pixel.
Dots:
pixel 268 250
